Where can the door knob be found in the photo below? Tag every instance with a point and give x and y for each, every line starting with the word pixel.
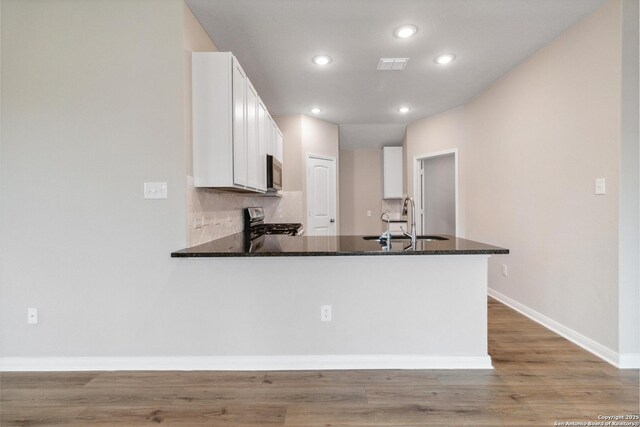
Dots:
pixel 332 220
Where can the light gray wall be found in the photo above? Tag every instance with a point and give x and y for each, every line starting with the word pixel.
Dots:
pixel 439 195
pixel 92 108
pixel 360 191
pixel 530 148
pixel 537 140
pixel 430 136
pixel 629 231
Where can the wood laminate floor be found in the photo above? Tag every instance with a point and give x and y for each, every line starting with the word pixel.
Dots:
pixel 539 379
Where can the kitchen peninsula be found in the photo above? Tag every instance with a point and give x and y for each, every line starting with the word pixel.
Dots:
pixel 238 245
pixel 426 308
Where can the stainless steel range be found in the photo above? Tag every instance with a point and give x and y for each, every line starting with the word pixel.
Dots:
pixel 255 230
pixel 255 226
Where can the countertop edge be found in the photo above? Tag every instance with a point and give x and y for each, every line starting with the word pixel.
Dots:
pixel 239 246
pixel 179 254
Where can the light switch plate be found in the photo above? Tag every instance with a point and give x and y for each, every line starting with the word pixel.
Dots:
pixel 600 186
pixel 155 190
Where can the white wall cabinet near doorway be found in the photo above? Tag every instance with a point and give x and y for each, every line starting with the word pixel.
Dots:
pixel 279 146
pixel 275 146
pixel 264 128
pixel 393 170
pixel 232 129
pixel 252 139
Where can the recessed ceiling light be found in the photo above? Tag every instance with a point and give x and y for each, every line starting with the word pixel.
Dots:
pixel 444 59
pixel 404 110
pixel 405 31
pixel 315 110
pixel 321 60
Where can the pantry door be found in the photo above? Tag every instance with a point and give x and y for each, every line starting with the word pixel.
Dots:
pixel 321 196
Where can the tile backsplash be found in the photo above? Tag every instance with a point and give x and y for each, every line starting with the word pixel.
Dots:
pixel 212 214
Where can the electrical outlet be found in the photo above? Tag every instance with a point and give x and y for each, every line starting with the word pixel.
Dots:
pixel 32 316
pixel 368 213
pixel 325 313
pixel 505 272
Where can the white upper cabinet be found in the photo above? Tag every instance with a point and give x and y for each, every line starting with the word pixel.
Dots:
pixel 275 146
pixel 253 138
pixel 263 143
pixel 279 148
pixel 393 170
pixel 232 129
pixel 239 125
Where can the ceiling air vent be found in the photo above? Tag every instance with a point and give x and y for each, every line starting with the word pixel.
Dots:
pixel 392 64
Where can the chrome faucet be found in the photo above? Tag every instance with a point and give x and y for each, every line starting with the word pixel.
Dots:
pixel 405 212
pixel 386 237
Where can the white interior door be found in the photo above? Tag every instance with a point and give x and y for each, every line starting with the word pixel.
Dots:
pixel 321 196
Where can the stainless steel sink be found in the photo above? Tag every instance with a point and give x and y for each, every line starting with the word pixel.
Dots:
pixel 402 238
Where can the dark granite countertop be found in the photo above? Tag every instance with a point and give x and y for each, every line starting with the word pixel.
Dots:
pixel 237 245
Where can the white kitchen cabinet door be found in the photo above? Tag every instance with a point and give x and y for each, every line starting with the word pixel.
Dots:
pixel 279 146
pixel 393 169
pixel 275 146
pixel 262 146
pixel 239 125
pixel 274 139
pixel 212 107
pixel 271 136
pixel 253 152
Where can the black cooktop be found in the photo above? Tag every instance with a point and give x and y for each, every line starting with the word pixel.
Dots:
pixel 289 229
pixel 254 225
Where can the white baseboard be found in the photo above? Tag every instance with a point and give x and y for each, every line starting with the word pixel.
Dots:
pixel 604 353
pixel 243 363
pixel 629 361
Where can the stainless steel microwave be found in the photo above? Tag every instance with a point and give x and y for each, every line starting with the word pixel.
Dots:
pixel 274 174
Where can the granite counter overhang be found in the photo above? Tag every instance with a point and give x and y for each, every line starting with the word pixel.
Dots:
pixel 237 245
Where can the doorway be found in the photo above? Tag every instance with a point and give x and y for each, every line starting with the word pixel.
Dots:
pixel 436 193
pixel 321 196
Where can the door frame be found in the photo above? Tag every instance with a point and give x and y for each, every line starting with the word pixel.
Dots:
pixel 309 156
pixel 417 178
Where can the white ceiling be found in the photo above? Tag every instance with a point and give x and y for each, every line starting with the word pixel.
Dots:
pixel 371 135
pixel 275 40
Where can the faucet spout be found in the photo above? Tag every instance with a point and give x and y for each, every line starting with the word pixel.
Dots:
pixel 405 211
